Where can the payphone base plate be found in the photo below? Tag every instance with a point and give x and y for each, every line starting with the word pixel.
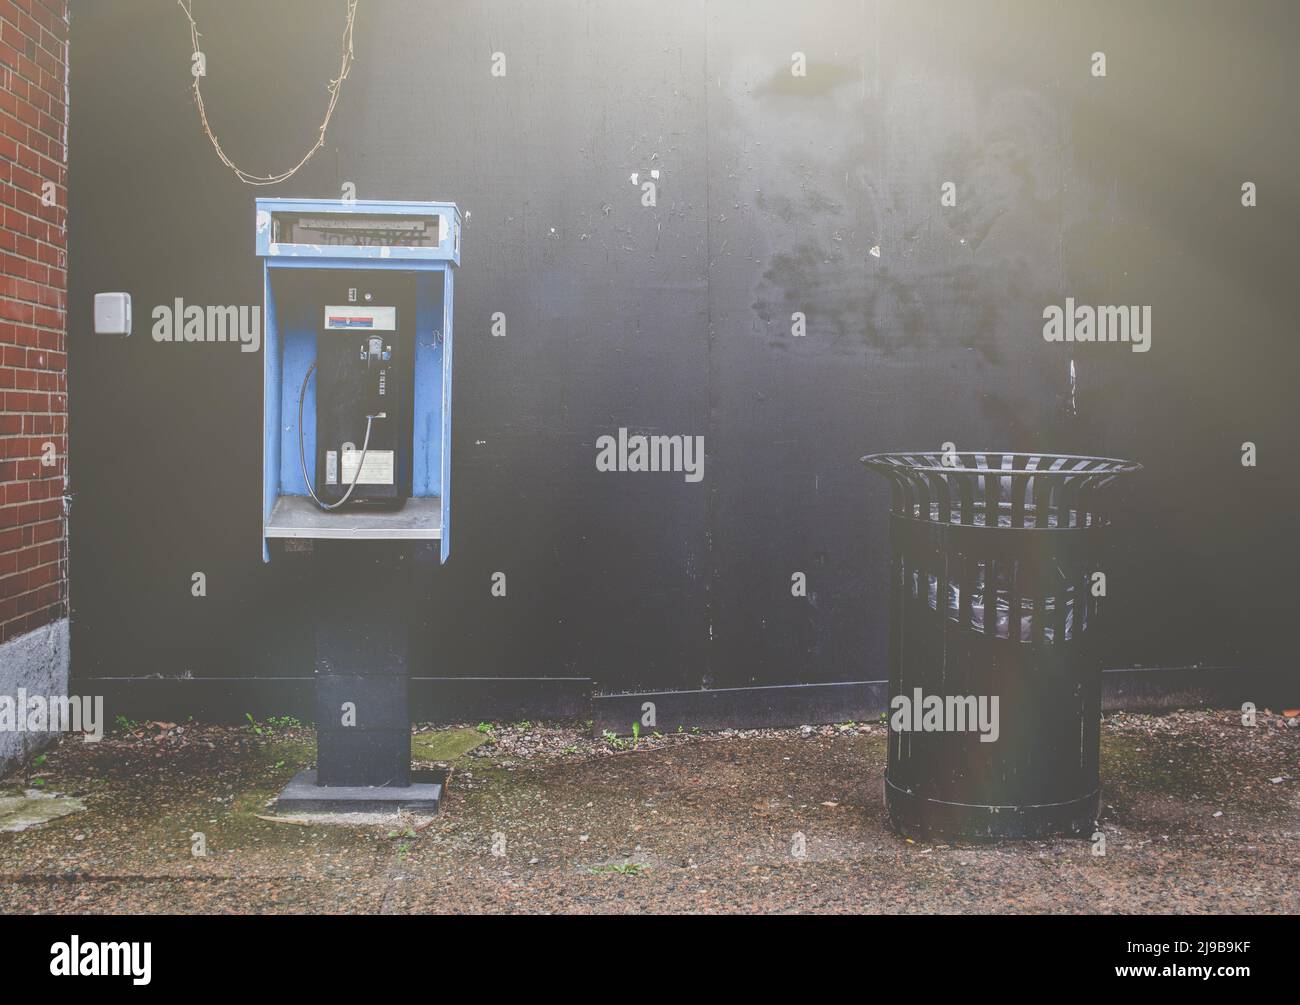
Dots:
pixel 303 795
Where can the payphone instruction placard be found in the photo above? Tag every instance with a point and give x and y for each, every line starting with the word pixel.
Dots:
pixel 352 317
pixel 377 470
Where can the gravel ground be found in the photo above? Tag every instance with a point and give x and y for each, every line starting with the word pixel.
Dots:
pixel 1200 813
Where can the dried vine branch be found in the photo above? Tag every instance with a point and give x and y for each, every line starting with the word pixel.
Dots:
pixel 335 87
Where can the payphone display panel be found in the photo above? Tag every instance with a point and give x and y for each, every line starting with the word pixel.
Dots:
pixel 358 230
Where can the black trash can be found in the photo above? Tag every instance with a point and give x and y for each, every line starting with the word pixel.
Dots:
pixel 995 688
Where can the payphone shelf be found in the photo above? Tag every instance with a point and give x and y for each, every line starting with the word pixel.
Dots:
pixel 420 519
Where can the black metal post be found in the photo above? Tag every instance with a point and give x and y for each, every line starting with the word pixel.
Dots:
pixel 362 648
pixel 360 613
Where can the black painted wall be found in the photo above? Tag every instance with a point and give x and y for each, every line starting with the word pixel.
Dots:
pixel 773 190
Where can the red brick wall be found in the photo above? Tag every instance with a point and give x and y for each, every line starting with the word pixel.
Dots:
pixel 33 290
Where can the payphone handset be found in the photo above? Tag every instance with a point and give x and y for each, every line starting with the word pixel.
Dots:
pixel 364 361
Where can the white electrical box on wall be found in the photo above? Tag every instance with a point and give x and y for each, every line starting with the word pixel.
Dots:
pixel 112 314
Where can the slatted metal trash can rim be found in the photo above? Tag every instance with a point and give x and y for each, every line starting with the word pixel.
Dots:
pixel 1024 487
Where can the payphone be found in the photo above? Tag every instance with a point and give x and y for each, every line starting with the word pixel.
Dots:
pixel 364 367
pixel 356 471
pixel 357 351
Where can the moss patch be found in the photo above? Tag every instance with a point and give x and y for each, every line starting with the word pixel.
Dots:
pixel 445 744
pixel 1141 772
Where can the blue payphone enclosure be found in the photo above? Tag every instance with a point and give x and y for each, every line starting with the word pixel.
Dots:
pixel 421 238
